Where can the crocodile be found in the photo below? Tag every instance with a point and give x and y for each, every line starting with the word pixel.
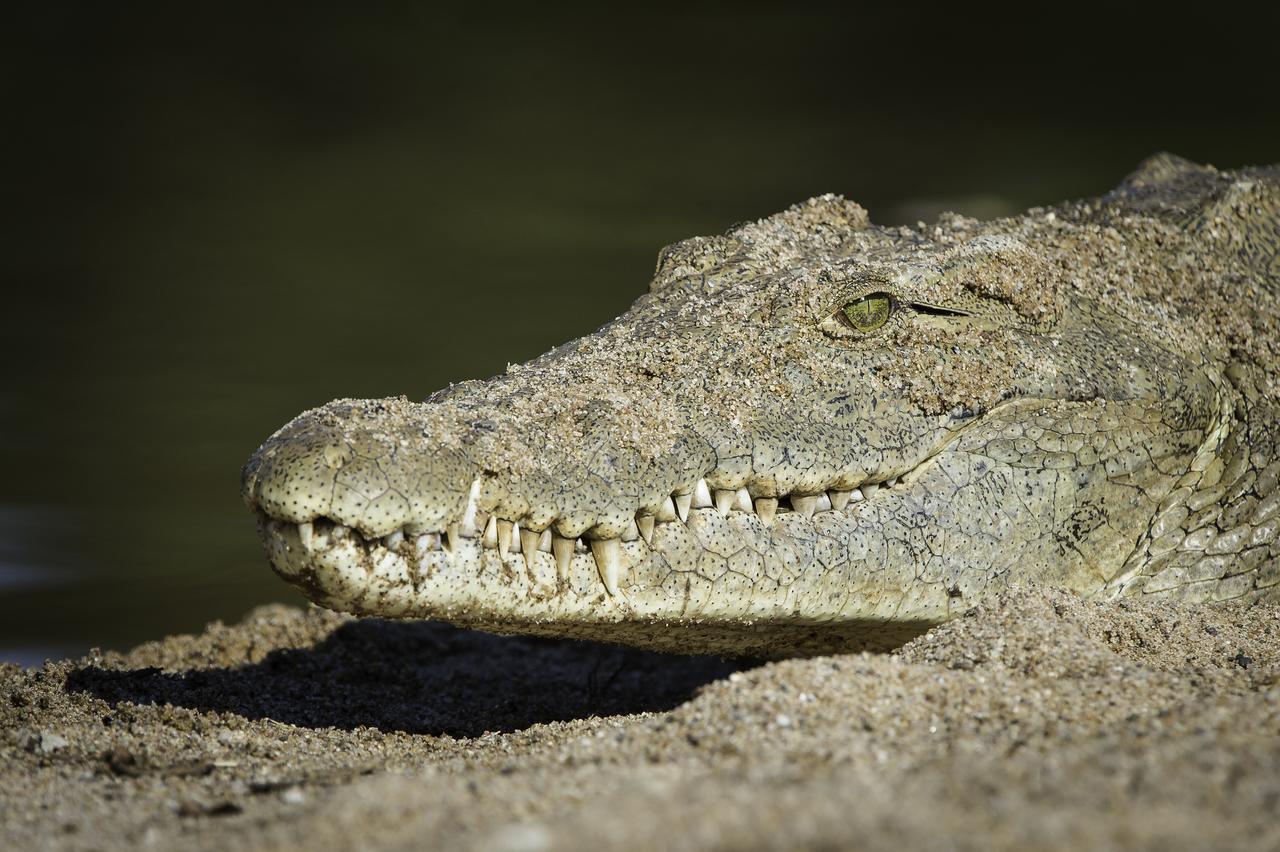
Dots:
pixel 815 434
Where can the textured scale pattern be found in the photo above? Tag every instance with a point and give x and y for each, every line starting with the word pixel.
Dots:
pixel 1084 396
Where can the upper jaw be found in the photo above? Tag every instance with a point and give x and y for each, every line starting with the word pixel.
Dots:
pixel 372 466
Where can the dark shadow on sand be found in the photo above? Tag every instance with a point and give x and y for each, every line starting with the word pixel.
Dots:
pixel 421 677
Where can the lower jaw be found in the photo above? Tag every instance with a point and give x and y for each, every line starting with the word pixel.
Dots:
pixel 725 584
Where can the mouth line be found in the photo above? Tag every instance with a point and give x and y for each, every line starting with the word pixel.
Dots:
pixel 507 539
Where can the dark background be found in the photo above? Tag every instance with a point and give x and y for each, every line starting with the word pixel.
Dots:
pixel 217 219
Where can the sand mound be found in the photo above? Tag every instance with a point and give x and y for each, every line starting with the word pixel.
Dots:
pixel 1037 722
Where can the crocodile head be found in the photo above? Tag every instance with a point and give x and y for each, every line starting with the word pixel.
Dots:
pixel 811 433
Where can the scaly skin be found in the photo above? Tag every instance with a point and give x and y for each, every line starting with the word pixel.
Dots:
pixel 1082 396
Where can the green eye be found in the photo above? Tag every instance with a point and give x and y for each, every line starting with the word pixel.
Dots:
pixel 870 312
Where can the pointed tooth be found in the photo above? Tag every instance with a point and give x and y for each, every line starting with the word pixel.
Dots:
pixel 766 508
pixel 868 489
pixel 469 528
pixel 839 499
pixel 608 554
pixel 505 530
pixel 529 546
pixel 452 538
pixel 856 496
pixel 742 500
pixel 644 523
pixel 702 495
pixel 891 481
pixel 490 540
pixel 544 541
pixel 304 535
pixel 632 532
pixel 426 543
pixel 563 549
pixel 806 505
pixel 667 510
pixel 823 504
pixel 683 504
pixel 391 542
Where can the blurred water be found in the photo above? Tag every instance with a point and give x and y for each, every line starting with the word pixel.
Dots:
pixel 222 225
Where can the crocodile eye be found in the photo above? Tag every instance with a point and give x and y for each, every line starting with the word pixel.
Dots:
pixel 868 313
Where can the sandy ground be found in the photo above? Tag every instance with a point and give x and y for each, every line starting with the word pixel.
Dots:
pixel 1037 722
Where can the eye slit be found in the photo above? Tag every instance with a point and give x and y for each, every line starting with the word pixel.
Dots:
pixel 936 311
pixel 868 313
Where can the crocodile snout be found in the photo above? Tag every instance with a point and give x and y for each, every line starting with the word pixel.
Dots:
pixel 359 464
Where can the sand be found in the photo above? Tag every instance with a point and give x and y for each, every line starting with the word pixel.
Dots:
pixel 1039 721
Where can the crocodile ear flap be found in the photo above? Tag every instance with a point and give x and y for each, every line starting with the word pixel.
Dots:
pixel 1004 269
pixel 692 258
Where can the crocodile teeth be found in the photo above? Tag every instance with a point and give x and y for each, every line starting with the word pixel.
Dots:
pixel 508 537
pixel 529 546
pixel 644 523
pixel 505 530
pixel 563 549
pixel 805 505
pixel 667 510
pixel 608 554
pixel 469 528
pixel 766 508
pixel 683 503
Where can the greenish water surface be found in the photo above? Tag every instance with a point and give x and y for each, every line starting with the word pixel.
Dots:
pixel 224 225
